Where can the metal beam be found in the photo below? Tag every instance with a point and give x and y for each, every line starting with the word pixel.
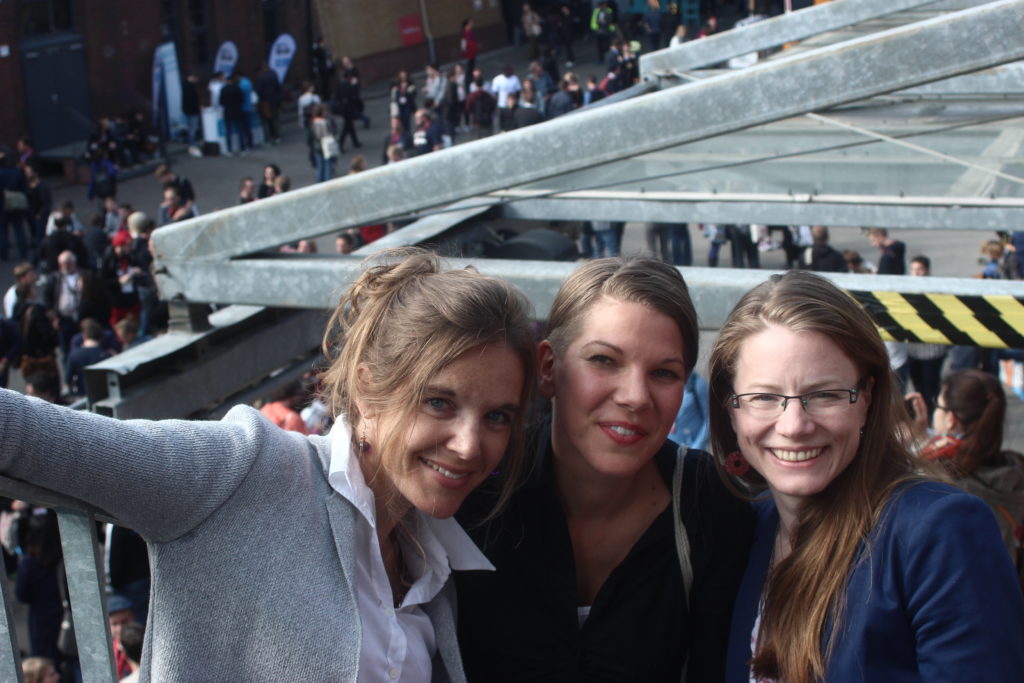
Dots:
pixel 998 83
pixel 931 213
pixel 814 80
pixel 185 374
pixel 767 34
pixel 715 290
pixel 85 589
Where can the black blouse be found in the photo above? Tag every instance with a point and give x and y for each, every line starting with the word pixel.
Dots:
pixel 520 623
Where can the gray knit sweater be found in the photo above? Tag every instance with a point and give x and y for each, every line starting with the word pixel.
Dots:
pixel 249 545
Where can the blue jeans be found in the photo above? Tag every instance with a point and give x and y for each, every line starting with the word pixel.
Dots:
pixel 607 243
pixel 682 251
pixel 193 121
pixel 239 127
pixel 324 167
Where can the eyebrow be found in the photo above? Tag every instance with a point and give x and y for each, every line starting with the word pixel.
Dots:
pixel 450 393
pixel 613 347
pixel 816 386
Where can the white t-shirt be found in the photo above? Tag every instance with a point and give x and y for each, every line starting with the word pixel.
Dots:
pixel 502 85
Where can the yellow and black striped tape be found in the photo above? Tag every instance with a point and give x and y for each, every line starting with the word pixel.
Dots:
pixel 995 322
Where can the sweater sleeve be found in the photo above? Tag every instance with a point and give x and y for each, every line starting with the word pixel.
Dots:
pixel 961 593
pixel 160 478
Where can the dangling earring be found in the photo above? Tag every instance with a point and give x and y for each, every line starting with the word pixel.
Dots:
pixel 736 464
pixel 364 445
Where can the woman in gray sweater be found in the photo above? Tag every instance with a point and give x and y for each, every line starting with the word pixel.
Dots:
pixel 277 556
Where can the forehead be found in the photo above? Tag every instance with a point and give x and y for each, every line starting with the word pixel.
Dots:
pixel 491 373
pixel 786 359
pixel 628 323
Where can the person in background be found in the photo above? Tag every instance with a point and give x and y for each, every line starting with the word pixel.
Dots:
pixel 119 615
pixel 40 204
pixel 855 263
pixel 127 331
pixel 305 104
pixel 284 409
pixel 403 98
pixel 271 94
pixel 246 190
pixel 469 47
pixel 89 353
pixel 350 72
pixel 821 257
pixel 533 29
pixel 322 128
pixel 892 252
pixel 925 361
pixel 322 65
pixel 864 567
pixel 39 670
pixel 236 120
pixel 132 636
pixel 968 427
pixel 343 243
pixel 167 176
pixel 192 111
pixel 270 173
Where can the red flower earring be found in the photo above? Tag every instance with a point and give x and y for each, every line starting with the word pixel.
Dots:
pixel 736 464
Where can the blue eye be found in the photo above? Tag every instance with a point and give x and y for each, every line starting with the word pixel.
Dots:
pixel 439 405
pixel 499 417
pixel 600 359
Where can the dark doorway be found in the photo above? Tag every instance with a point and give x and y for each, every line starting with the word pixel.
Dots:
pixel 56 93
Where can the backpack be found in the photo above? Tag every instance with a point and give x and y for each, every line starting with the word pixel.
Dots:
pixel 483 108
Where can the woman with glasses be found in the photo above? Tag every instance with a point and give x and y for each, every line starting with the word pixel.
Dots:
pixel 618 559
pixel 968 444
pixel 278 556
pixel 863 568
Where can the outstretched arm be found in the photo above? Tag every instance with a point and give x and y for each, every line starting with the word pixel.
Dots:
pixel 159 478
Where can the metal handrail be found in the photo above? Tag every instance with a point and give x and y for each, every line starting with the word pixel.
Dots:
pixel 83 567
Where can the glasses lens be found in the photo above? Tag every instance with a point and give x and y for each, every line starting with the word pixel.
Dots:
pixel 827 402
pixel 763 404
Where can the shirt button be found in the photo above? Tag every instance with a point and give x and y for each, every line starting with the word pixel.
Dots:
pixel 389 611
pixel 393 673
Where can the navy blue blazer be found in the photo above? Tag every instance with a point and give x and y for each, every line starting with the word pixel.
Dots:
pixel 932 596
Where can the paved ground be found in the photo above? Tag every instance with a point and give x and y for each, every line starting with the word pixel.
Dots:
pixel 216 180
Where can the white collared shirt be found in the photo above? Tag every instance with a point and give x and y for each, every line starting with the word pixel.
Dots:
pixel 397 644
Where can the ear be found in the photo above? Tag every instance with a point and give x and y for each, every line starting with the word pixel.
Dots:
pixel 865 394
pixel 364 381
pixel 546 368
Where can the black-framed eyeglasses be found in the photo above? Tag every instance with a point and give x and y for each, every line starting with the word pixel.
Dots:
pixel 819 403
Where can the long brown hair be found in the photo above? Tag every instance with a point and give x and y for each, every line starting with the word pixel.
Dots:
pixel 404 320
pixel 977 400
pixel 805 591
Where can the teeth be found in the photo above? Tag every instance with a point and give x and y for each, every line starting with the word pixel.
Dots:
pixel 447 473
pixel 797 456
pixel 623 431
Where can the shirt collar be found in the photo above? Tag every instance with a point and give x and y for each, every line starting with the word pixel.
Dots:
pixel 344 474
